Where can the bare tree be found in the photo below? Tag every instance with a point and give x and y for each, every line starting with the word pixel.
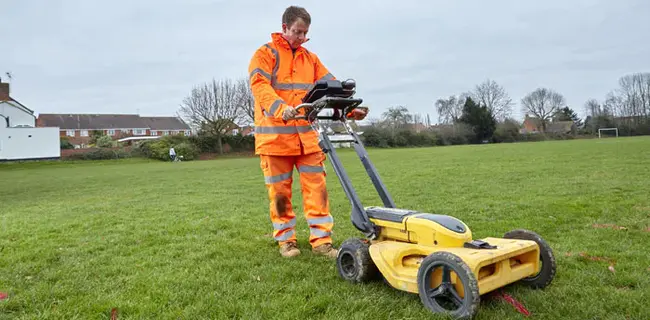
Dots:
pixel 542 103
pixel 450 109
pixel 494 97
pixel 592 108
pixel 374 121
pixel 614 105
pixel 397 117
pixel 634 93
pixel 417 119
pixel 213 107
pixel 246 100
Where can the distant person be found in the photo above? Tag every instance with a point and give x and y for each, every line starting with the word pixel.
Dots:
pixel 172 153
pixel 281 71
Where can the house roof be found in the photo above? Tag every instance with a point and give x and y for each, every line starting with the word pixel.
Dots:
pixel 110 121
pixel 165 123
pixel 560 126
pixel 534 121
pixel 17 104
pixel 91 121
pixel 5 96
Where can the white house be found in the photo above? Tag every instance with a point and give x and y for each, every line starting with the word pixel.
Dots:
pixel 15 114
pixel 19 137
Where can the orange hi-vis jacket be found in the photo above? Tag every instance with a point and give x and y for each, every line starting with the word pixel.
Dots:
pixel 280 77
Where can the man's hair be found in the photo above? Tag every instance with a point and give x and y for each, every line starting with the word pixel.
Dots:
pixel 293 13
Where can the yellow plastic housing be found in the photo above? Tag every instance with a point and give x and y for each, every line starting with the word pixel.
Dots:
pixel 401 248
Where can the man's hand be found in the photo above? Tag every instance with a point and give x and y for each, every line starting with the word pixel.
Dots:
pixel 358 113
pixel 289 113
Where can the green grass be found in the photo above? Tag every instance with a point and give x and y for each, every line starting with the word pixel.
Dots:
pixel 192 240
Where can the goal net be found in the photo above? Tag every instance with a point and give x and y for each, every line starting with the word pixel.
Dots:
pixel 607 132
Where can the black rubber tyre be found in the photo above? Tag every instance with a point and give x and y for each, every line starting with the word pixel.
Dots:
pixel 354 263
pixel 465 307
pixel 547 272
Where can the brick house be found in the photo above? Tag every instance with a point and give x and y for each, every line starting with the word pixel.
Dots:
pixel 79 127
pixel 531 125
pixel 534 125
pixel 235 129
pixel 246 130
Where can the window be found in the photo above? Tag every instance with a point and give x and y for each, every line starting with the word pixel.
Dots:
pixel 110 132
pixel 187 132
pixel 84 133
pixel 154 132
pixel 165 133
pixel 125 130
pixel 139 132
pixel 69 133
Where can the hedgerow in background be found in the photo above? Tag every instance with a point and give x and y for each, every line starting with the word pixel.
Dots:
pixel 159 148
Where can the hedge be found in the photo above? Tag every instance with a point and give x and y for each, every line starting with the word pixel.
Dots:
pixel 99 154
pixel 190 148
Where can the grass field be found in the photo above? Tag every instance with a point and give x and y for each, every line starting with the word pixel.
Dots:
pixel 191 240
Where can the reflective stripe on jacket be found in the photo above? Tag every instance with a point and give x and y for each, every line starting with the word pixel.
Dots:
pixel 280 78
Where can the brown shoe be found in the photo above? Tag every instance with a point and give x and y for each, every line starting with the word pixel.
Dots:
pixel 289 250
pixel 326 250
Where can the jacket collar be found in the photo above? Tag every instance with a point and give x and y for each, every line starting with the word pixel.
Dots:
pixel 281 42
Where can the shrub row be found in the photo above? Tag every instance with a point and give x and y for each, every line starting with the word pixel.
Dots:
pixel 190 148
pixel 98 154
pixel 457 135
pixel 234 143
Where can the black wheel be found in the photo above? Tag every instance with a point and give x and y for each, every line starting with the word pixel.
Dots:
pixel 354 262
pixel 547 271
pixel 447 285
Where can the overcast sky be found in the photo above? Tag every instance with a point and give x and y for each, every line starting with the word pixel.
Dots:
pixel 74 56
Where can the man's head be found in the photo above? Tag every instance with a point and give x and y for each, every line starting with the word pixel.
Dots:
pixel 295 25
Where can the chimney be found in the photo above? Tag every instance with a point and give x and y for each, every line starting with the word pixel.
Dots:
pixel 4 91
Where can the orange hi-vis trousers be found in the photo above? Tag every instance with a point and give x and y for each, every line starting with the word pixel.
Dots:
pixel 278 176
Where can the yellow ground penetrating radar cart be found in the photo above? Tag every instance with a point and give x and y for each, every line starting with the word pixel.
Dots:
pixel 431 255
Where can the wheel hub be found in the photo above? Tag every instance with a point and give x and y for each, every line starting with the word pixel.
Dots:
pixel 445 294
pixel 347 264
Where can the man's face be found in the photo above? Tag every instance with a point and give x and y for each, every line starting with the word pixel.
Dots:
pixel 296 34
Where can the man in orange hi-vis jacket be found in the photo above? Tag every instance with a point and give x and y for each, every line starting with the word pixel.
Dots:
pixel 281 73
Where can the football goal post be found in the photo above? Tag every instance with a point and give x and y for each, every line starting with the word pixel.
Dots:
pixel 607 129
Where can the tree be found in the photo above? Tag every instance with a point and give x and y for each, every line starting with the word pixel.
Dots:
pixel 507 131
pixel 567 114
pixel 104 142
pixel 627 106
pixel 542 103
pixel 94 135
pixel 592 108
pixel 213 107
pixel 450 109
pixel 246 100
pixel 397 117
pixel 494 97
pixel 417 119
pixel 634 95
pixel 480 118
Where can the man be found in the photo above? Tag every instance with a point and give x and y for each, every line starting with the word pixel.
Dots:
pixel 172 153
pixel 281 73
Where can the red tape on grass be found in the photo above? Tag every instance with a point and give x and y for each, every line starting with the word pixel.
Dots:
pixel 3 296
pixel 512 301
